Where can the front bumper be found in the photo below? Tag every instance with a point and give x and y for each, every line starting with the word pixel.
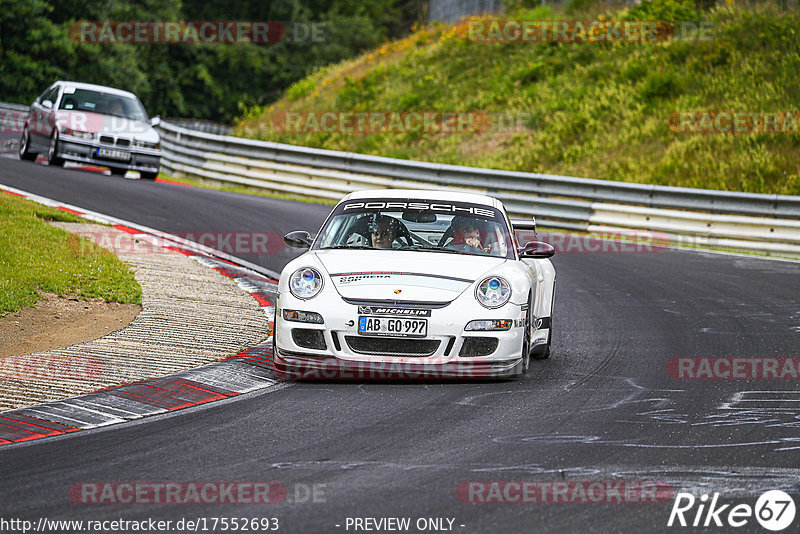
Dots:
pixel 452 352
pixel 84 151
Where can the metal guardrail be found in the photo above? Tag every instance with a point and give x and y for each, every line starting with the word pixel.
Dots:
pixel 700 217
pixel 13 107
pixel 202 126
pixel 768 223
pixel 655 196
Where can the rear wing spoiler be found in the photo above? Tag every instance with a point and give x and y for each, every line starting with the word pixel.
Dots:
pixel 524 224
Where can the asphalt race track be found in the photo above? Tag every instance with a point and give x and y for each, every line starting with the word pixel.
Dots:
pixel 603 408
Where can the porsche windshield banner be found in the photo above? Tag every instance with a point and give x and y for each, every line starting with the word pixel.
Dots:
pixel 455 208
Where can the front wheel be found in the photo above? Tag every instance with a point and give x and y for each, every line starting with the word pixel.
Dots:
pixel 148 175
pixel 24 148
pixel 526 346
pixel 542 352
pixel 52 153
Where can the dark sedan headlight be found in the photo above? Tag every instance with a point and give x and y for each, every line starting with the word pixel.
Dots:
pixel 493 292
pixel 305 283
pixel 145 144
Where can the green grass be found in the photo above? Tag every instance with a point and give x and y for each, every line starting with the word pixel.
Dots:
pixel 596 110
pixel 36 257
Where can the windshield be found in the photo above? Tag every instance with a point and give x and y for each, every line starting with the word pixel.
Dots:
pixel 421 225
pixel 105 103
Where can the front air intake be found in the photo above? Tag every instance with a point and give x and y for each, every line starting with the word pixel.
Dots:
pixel 308 338
pixel 392 346
pixel 478 346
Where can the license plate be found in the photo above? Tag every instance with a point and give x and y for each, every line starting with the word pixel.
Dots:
pixel 390 326
pixel 110 153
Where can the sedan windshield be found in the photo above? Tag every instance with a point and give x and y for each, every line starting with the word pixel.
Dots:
pixel 418 225
pixel 104 103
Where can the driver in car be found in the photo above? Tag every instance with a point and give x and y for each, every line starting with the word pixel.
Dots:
pixel 116 108
pixel 383 231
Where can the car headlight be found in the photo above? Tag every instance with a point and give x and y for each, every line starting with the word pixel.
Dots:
pixel 493 292
pixel 145 144
pixel 303 316
pixel 489 324
pixel 305 283
pixel 78 133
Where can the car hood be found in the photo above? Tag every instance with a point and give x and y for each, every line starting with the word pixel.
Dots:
pixel 403 276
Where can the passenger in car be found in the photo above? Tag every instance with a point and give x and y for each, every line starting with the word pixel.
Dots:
pixel 466 235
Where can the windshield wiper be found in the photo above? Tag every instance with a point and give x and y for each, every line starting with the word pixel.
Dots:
pixel 430 249
pixel 347 246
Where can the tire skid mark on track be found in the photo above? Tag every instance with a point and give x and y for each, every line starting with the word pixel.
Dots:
pixel 247 371
pixel 612 352
pixel 638 442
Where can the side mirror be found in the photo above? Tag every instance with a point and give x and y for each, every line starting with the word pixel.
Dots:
pixel 298 239
pixel 155 121
pixel 537 249
pixel 47 104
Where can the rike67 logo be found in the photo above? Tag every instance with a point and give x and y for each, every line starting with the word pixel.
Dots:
pixel 774 510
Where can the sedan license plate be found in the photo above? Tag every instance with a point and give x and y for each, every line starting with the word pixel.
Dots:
pixel 390 326
pixel 110 153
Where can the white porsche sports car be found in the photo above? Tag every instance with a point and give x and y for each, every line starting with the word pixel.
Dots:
pixel 414 284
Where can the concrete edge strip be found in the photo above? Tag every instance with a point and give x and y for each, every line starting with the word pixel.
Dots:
pixel 250 370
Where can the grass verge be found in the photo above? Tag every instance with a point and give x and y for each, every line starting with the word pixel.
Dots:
pixel 36 257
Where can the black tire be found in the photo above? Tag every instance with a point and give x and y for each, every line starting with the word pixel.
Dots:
pixel 24 145
pixel 280 372
pixel 148 175
pixel 118 172
pixel 542 352
pixel 526 345
pixel 52 152
pixel 277 373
